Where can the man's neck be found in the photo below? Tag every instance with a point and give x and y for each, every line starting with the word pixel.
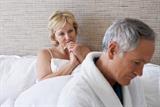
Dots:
pixel 104 69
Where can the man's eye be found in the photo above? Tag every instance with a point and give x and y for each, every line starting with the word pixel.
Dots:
pixel 137 62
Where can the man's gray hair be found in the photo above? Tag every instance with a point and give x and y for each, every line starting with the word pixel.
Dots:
pixel 127 33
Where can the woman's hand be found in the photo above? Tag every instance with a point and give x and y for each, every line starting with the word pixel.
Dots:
pixel 71 46
pixel 78 50
pixel 73 59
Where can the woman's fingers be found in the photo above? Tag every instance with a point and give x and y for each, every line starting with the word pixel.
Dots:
pixel 74 58
pixel 72 46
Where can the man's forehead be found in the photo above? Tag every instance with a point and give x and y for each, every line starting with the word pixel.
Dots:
pixel 138 57
pixel 143 54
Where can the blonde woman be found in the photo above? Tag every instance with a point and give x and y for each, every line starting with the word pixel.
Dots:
pixel 65 49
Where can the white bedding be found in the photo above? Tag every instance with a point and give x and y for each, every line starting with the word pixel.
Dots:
pixel 17 83
pixel 16 75
pixel 44 93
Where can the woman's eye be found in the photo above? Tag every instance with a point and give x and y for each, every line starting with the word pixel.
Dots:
pixel 70 31
pixel 61 34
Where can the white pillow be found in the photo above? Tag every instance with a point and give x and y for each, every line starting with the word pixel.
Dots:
pixel 18 75
pixel 151 82
pixel 44 93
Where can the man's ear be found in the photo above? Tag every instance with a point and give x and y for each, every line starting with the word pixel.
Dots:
pixel 113 49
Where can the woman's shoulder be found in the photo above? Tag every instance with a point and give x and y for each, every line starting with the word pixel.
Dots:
pixel 45 52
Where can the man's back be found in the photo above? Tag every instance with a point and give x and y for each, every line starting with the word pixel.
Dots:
pixel 89 88
pixel 78 93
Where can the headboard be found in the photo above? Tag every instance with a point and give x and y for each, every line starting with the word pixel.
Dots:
pixel 23 23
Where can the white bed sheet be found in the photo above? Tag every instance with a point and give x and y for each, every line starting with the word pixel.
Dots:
pixel 18 77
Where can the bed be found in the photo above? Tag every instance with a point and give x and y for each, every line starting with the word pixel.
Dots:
pixel 18 83
pixel 23 32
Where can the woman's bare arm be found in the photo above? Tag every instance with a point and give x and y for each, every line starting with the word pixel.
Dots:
pixel 44 66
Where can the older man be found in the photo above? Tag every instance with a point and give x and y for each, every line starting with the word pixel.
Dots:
pixel 110 78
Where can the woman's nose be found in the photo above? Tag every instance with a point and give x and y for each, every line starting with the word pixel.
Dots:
pixel 67 36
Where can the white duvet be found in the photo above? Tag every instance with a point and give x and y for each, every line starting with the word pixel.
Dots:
pixel 16 75
pixel 18 88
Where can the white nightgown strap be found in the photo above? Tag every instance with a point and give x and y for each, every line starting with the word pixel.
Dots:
pixel 50 52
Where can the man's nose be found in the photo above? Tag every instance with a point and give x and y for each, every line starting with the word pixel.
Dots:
pixel 139 70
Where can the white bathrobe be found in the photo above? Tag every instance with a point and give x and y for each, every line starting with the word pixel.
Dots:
pixel 90 89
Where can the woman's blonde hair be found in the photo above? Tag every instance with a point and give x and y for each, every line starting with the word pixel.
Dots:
pixel 57 20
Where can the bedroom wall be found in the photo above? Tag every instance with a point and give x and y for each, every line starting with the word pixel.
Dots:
pixel 23 23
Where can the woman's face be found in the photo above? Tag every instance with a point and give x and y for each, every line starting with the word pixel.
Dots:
pixel 65 35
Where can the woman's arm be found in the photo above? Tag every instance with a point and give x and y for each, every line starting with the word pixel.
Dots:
pixel 44 66
pixel 81 51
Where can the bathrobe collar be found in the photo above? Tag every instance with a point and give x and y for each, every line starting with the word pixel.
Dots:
pixel 101 86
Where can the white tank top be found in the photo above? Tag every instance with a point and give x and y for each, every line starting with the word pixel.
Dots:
pixel 57 63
